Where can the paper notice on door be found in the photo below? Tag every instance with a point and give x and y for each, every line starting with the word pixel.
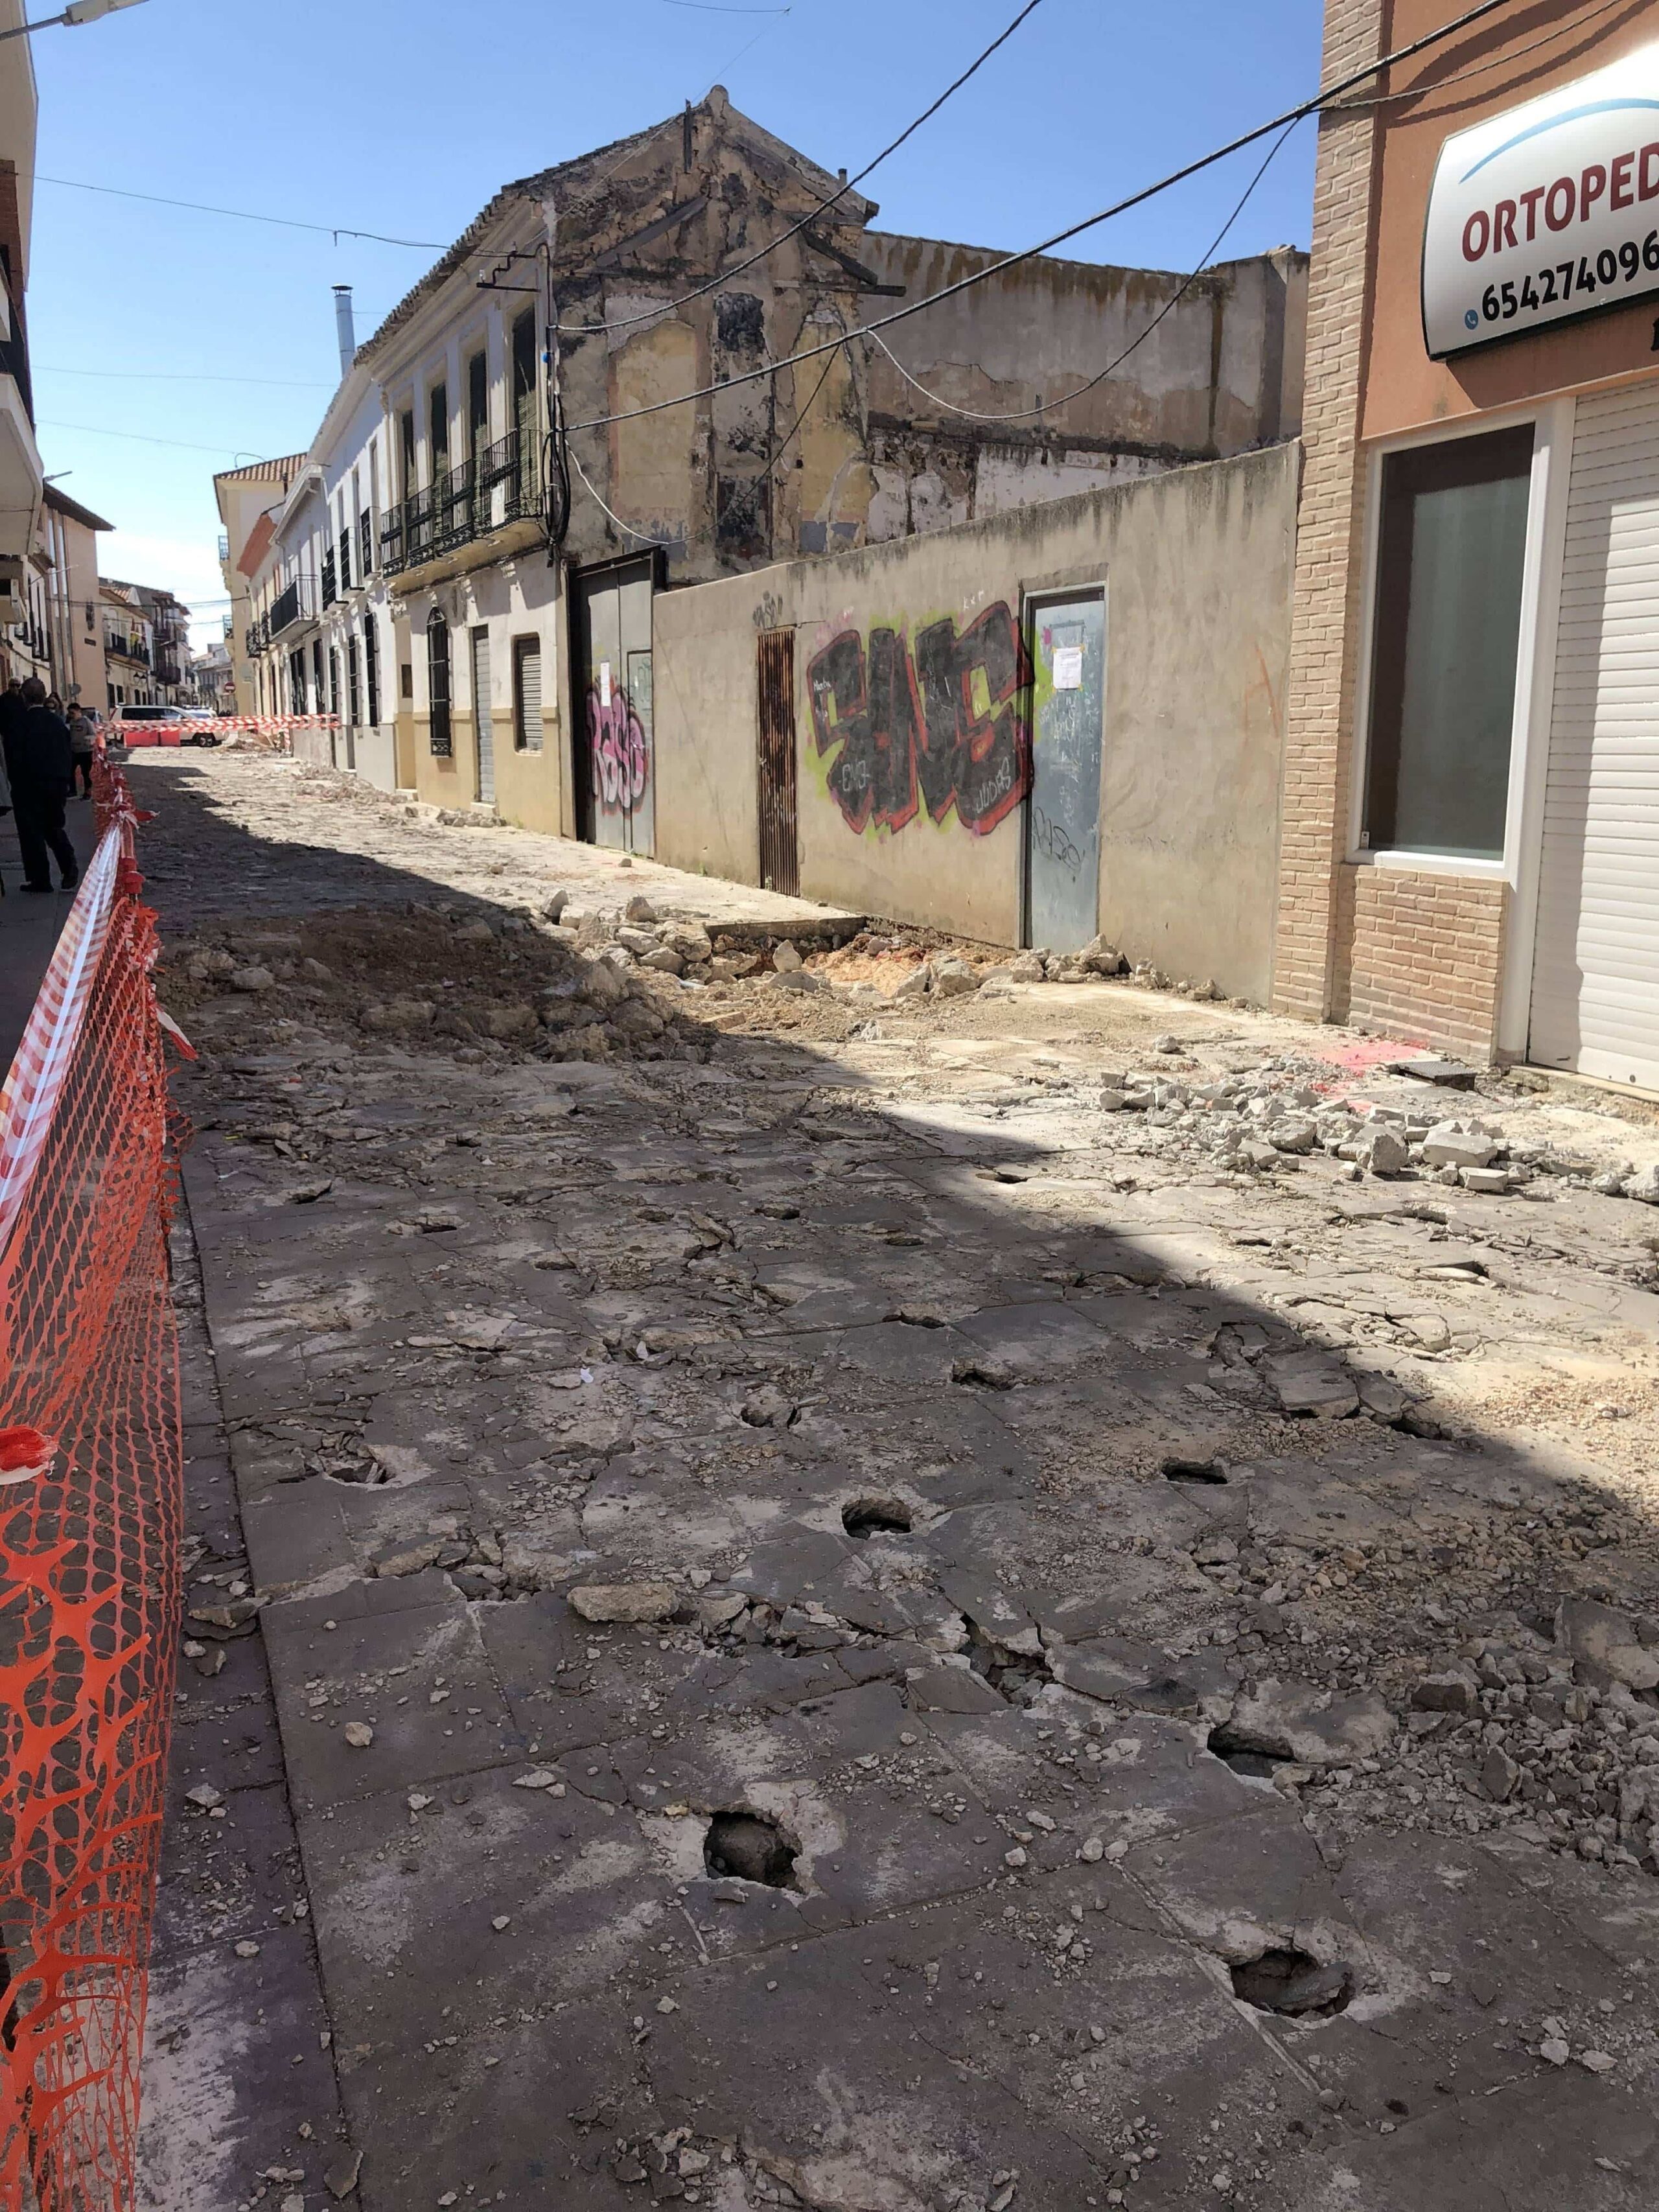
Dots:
pixel 1068 668
pixel 604 683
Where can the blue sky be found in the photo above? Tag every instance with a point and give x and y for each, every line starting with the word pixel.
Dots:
pixel 404 116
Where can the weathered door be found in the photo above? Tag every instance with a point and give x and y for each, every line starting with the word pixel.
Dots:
pixel 483 729
pixel 779 853
pixel 617 777
pixel 1062 870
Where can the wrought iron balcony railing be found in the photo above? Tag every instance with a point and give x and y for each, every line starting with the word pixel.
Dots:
pixel 293 605
pixel 463 505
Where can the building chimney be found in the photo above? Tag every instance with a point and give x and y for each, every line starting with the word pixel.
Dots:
pixel 345 323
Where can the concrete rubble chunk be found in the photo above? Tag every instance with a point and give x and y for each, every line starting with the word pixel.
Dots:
pixel 1384 1151
pixel 251 979
pixel 409 1559
pixel 1102 958
pixel 1288 1720
pixel 640 910
pixel 1294 1136
pixel 915 985
pixel 1499 1775
pixel 1605 1646
pixel 1453 1691
pixel 1446 1145
pixel 953 979
pixel 1644 1186
pixel 623 1602
pixel 785 958
pixel 1490 1182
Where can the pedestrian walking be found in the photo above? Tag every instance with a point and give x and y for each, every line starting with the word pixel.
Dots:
pixel 83 734
pixel 40 768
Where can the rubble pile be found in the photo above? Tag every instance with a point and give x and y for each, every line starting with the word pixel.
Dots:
pixel 480 986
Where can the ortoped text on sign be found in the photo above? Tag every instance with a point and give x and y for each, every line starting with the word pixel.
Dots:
pixel 1546 212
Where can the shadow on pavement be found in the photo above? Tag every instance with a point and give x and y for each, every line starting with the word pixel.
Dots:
pixel 1173 1752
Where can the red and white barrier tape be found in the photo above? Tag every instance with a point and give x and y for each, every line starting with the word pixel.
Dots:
pixel 37 1073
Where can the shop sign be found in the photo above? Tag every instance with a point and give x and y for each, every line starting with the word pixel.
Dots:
pixel 1548 212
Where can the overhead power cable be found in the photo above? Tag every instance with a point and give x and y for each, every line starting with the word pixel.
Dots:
pixel 335 230
pixel 186 376
pixel 1322 99
pixel 134 437
pixel 668 307
pixel 1049 406
pixel 1484 68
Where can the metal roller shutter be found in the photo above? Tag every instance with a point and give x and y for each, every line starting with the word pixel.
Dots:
pixel 1595 972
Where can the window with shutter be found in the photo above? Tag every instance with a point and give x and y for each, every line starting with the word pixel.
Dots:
pixel 527 695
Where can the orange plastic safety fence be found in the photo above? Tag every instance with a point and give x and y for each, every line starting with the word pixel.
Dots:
pixel 90 1484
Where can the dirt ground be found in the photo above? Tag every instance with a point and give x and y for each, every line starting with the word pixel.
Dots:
pixel 1013 1594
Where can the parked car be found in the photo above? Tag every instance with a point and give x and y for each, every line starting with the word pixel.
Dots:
pixel 145 726
pixel 163 726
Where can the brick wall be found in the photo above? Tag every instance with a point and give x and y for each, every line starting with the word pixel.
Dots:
pixel 1419 957
pixel 1320 705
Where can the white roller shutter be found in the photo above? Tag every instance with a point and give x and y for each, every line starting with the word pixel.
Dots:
pixel 1595 974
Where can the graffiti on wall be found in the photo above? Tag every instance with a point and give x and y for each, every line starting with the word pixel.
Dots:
pixel 939 721
pixel 619 751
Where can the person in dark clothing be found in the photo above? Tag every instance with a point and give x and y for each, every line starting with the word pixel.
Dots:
pixel 39 768
pixel 84 740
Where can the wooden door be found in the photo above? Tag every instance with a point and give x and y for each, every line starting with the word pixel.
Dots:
pixel 779 846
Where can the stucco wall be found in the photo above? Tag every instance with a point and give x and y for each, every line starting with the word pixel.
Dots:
pixel 511 600
pixel 1196 565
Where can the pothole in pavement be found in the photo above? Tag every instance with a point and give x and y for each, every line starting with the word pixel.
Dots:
pixel 750 1846
pixel 1295 1984
pixel 1194 1470
pixel 876 1516
pixel 1242 1757
pixel 1012 1675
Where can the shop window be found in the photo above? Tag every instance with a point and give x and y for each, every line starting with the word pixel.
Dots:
pixel 1450 551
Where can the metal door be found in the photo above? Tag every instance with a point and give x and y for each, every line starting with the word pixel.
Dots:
pixel 483 729
pixel 1063 868
pixel 779 853
pixel 1595 968
pixel 617 777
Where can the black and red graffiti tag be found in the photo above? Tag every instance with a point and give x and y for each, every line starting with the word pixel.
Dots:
pixel 619 752
pixel 903 721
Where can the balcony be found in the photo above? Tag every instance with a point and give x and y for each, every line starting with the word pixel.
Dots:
pixel 258 637
pixel 295 604
pixel 330 594
pixel 127 648
pixel 463 506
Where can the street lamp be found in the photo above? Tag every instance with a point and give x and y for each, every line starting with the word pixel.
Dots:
pixel 78 11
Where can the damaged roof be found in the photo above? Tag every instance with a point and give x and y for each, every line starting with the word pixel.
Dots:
pixel 579 183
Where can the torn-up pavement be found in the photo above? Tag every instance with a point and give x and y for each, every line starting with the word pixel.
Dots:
pixel 1028 1600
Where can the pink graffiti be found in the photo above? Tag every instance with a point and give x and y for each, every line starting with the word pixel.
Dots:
pixel 622 758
